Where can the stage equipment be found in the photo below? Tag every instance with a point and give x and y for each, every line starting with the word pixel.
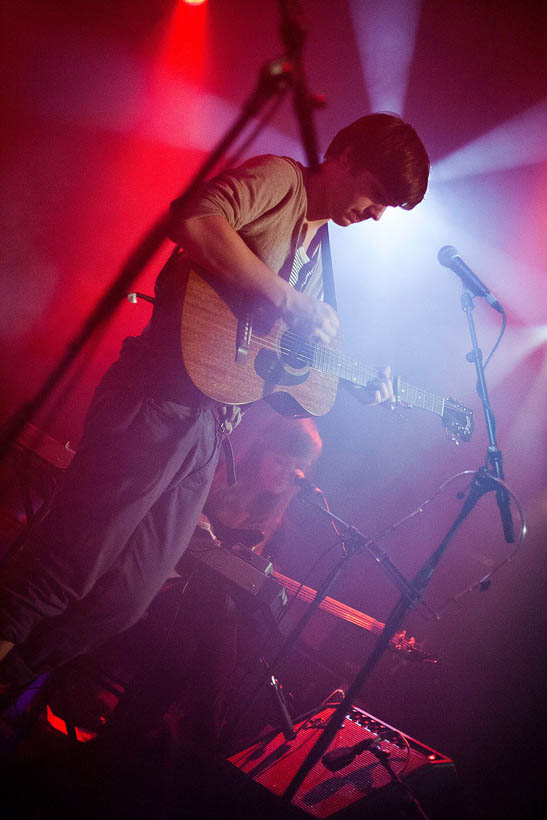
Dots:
pixel 491 477
pixel 258 586
pixel 369 770
pixel 411 595
pixel 38 461
pixel 351 542
pixel 253 586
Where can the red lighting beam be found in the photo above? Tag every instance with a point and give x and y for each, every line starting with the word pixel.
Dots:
pixel 184 49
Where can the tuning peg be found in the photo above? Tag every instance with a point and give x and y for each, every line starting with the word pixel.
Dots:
pixel 452 437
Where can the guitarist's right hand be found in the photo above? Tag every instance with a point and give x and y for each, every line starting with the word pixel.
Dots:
pixel 214 245
pixel 310 318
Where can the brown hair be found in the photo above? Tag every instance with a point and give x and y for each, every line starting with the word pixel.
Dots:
pixel 390 149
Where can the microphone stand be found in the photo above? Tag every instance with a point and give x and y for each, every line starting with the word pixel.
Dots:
pixel 293 34
pixel 412 591
pixel 410 595
pixel 494 458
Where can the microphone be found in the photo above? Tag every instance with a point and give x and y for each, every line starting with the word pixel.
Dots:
pixel 339 758
pixel 345 755
pixel 450 258
pixel 305 485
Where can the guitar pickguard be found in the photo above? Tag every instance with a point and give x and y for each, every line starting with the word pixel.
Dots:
pixel 273 372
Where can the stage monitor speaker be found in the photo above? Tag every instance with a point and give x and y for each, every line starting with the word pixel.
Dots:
pixel 366 787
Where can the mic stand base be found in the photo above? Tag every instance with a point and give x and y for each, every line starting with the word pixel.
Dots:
pixel 280 705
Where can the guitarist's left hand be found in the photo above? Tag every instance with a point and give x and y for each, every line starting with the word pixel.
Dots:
pixel 377 391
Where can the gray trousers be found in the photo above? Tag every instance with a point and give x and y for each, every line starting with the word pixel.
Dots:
pixel 118 526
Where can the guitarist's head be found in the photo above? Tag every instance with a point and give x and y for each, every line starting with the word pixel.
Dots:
pixel 377 162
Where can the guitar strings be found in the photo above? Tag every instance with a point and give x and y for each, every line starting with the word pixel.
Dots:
pixel 307 350
pixel 330 365
pixel 344 361
pixel 335 362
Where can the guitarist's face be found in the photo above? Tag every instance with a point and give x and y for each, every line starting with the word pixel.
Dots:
pixel 353 197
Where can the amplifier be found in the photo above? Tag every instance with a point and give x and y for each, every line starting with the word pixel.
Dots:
pixel 383 764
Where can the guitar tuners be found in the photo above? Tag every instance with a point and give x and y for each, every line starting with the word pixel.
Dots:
pixel 457 420
pixel 451 436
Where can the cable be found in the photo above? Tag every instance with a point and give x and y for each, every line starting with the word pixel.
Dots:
pixel 484 582
pixel 413 799
pixel 502 331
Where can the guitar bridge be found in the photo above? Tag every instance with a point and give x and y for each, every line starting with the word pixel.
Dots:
pixel 243 336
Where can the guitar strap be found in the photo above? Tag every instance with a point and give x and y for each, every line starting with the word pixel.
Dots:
pixel 329 292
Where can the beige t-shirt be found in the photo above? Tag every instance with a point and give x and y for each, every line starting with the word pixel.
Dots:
pixel 265 201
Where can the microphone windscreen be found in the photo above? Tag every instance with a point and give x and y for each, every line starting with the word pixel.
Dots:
pixel 447 254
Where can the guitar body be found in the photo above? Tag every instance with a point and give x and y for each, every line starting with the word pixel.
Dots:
pixel 236 357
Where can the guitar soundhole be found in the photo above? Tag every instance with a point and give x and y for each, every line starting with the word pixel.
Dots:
pixel 295 352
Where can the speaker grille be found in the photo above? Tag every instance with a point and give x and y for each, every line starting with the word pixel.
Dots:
pixel 274 762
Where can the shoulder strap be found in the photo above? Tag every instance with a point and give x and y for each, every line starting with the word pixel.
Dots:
pixel 329 291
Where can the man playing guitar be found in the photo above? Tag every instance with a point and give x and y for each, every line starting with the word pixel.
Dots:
pixel 135 489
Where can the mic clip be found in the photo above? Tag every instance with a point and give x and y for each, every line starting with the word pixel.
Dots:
pixel 306 487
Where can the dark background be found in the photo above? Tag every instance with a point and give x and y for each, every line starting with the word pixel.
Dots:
pixel 109 107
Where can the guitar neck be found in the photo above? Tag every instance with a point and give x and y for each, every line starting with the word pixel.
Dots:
pixel 351 370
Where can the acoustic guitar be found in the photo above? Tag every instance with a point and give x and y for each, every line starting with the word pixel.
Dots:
pixel 236 354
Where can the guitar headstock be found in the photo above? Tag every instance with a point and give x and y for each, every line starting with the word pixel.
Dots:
pixel 457 420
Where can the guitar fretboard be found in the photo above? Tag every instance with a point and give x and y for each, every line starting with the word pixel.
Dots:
pixel 351 370
pixel 342 366
pixel 412 395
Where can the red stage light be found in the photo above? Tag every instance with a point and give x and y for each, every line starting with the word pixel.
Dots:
pixel 184 49
pixel 57 723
